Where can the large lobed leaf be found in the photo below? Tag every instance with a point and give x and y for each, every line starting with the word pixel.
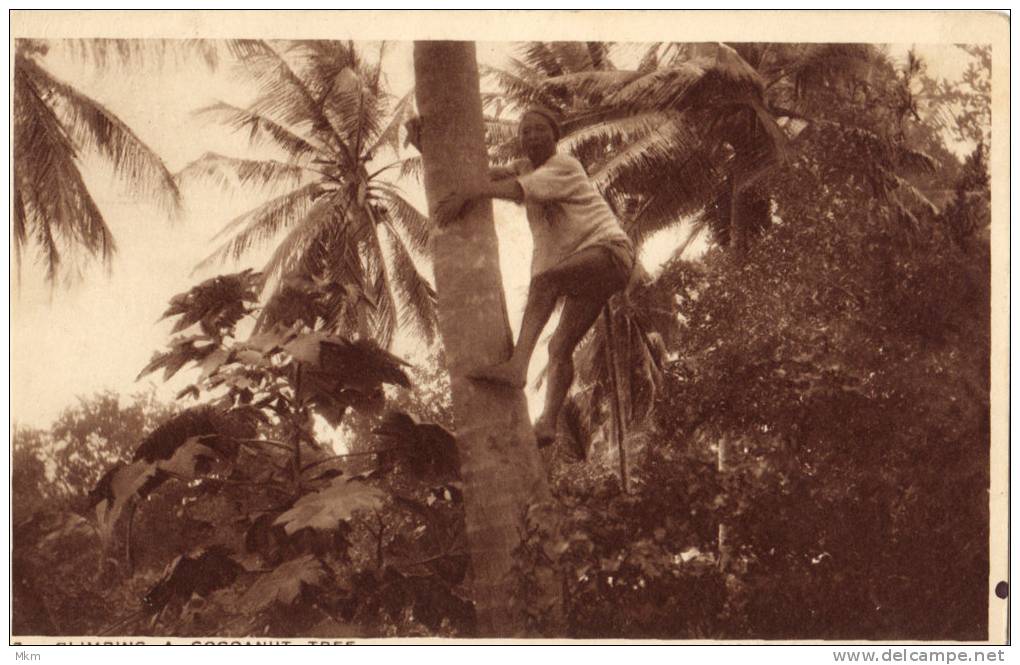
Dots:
pixel 217 303
pixel 285 584
pixel 360 365
pixel 201 574
pixel 325 509
pixel 214 428
pixel 426 448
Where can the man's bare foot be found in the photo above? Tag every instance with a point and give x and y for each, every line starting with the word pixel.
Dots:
pixel 503 373
pixel 545 434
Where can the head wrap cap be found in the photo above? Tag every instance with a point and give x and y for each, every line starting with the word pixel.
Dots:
pixel 550 116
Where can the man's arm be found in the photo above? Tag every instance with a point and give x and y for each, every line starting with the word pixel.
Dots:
pixel 506 188
pixel 451 206
pixel 501 172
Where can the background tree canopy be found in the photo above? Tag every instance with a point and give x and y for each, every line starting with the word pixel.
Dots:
pixel 802 403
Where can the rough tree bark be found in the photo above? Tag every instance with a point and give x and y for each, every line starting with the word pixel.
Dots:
pixel 500 465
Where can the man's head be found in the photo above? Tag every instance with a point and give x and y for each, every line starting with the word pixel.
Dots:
pixel 538 132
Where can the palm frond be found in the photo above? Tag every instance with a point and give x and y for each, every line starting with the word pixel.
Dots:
pixel 320 250
pixel 825 65
pixel 52 204
pixel 261 129
pixel 649 59
pixel 390 135
pixel 104 53
pixel 539 56
pixel 263 223
pixel 506 151
pixel 95 128
pixel 383 318
pixel 414 224
pixel 660 89
pixel 700 84
pixel 598 55
pixel 412 167
pixel 357 112
pixel 593 86
pixel 656 163
pixel 614 132
pixel 310 238
pixel 521 89
pixel 415 297
pixel 284 95
pixel 230 171
pixel 498 130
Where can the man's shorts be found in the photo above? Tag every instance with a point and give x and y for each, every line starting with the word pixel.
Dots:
pixel 624 257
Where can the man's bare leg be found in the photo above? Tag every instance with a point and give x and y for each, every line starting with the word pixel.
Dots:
pixel 578 275
pixel 578 316
pixel 542 297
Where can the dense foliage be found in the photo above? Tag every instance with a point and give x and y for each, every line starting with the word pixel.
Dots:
pixel 805 423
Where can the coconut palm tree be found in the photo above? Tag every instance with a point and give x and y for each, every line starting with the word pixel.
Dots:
pixel 54 126
pixel 339 222
pixel 504 481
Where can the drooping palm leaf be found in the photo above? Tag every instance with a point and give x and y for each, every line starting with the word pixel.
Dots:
pixel 321 217
pixel 96 129
pixel 261 128
pixel 229 171
pixel 614 133
pixel 669 175
pixel 592 86
pixel 521 89
pixel 417 297
pixel 412 167
pixel 263 223
pixel 389 136
pixel 105 53
pixel 284 95
pixel 53 207
pixel 414 224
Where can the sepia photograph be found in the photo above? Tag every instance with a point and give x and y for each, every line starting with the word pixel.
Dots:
pixel 416 326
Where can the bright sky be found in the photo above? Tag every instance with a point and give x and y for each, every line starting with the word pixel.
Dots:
pixel 100 333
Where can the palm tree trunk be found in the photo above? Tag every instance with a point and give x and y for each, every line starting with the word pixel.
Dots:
pixel 615 402
pixel 738 222
pixel 500 465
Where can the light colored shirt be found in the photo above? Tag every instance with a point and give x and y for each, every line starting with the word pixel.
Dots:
pixel 565 211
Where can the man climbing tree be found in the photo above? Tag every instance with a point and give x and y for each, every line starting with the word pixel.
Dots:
pixel 582 255
pixel 502 471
